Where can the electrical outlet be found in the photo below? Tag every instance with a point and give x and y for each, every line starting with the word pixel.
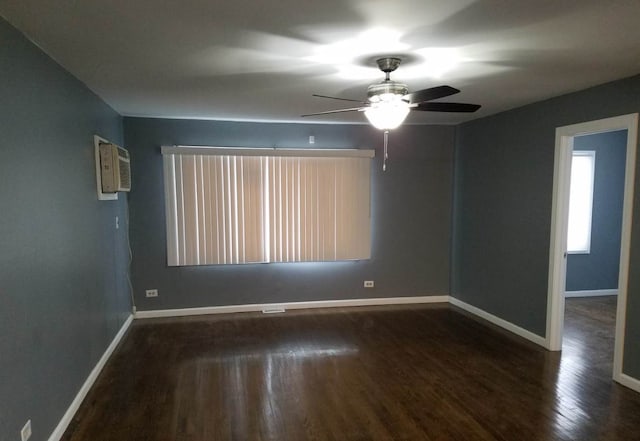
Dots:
pixel 368 283
pixel 25 433
pixel 152 293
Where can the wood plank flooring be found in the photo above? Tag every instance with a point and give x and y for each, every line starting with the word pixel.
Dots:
pixel 427 372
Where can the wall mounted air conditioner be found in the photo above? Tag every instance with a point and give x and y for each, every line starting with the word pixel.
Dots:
pixel 113 169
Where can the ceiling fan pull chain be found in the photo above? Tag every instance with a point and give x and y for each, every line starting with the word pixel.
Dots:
pixel 386 156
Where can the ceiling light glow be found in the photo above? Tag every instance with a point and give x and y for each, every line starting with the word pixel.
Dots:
pixel 345 56
pixel 439 60
pixel 373 41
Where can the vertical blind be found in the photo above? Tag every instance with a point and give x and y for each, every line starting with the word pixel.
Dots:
pixel 233 206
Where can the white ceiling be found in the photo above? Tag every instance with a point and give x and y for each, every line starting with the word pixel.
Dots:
pixel 261 60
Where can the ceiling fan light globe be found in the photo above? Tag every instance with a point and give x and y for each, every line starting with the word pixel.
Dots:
pixel 387 114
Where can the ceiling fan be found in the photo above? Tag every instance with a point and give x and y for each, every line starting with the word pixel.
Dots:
pixel 389 102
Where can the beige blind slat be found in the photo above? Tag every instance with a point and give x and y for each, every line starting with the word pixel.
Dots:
pixel 171 210
pixel 180 257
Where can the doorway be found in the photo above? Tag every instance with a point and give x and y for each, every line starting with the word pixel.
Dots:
pixel 559 225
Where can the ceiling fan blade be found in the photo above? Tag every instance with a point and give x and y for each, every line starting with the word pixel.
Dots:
pixel 353 109
pixel 447 107
pixel 336 98
pixel 432 93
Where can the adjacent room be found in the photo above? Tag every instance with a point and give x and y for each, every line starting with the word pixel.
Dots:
pixel 341 220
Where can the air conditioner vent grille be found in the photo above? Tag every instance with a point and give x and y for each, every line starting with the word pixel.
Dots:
pixel 115 168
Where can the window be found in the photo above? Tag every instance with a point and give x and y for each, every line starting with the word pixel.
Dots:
pixel 581 202
pixel 232 206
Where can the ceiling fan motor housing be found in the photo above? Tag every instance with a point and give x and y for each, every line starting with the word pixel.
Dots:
pixel 386 87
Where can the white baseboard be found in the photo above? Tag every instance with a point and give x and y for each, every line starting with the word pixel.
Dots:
pixel 499 322
pixel 628 381
pixel 267 307
pixel 82 393
pixel 591 293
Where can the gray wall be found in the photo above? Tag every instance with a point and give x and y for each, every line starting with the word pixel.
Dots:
pixel 63 289
pixel 599 268
pixel 411 206
pixel 502 208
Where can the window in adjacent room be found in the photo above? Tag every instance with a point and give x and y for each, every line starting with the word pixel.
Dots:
pixel 233 206
pixel 581 202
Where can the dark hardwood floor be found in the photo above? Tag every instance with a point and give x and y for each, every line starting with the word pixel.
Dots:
pixel 589 331
pixel 427 372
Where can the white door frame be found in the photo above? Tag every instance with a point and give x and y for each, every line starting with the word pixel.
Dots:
pixel 559 226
